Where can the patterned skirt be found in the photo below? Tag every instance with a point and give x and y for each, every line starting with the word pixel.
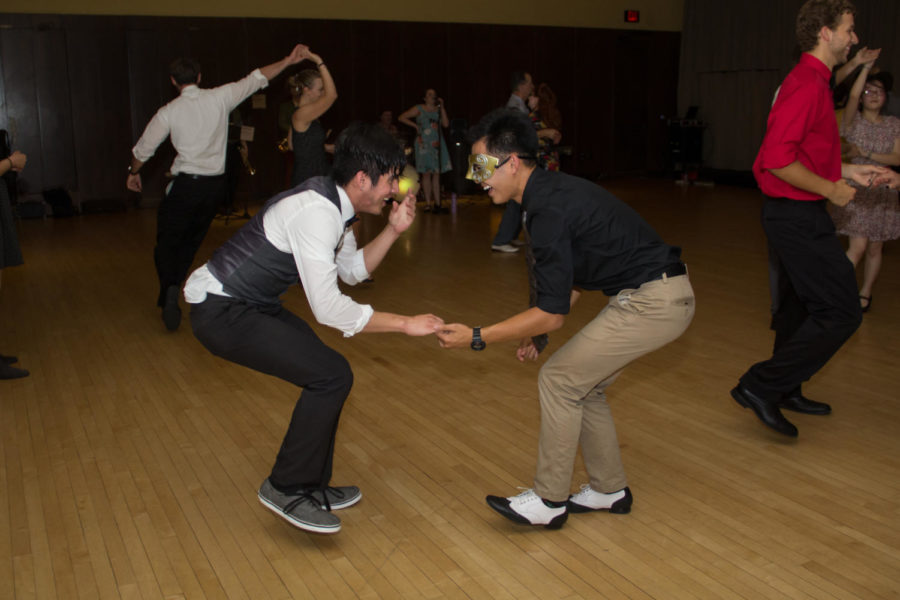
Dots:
pixel 873 214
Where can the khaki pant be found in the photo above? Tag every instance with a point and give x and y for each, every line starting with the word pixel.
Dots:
pixel 572 383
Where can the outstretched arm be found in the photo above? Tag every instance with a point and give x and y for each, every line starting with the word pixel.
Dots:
pixel 863 55
pixel 839 192
pixel 272 71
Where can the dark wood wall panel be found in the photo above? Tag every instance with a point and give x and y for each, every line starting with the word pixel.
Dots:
pixel 81 88
pixel 17 50
pixel 54 110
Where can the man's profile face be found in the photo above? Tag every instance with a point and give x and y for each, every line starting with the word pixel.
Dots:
pixel 499 185
pixel 527 87
pixel 375 193
pixel 843 38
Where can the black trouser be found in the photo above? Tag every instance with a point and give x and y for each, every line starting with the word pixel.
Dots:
pixel 275 341
pixel 817 307
pixel 183 218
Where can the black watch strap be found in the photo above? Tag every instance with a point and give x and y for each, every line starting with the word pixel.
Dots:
pixel 477 342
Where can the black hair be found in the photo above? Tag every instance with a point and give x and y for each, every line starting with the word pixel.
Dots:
pixel 184 71
pixel 516 79
pixel 505 131
pixel 366 147
pixel 887 83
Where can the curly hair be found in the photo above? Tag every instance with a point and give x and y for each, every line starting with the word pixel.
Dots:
pixel 816 14
pixel 547 106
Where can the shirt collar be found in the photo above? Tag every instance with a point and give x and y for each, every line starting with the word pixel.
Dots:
pixel 816 65
pixel 533 181
pixel 348 215
pixel 190 90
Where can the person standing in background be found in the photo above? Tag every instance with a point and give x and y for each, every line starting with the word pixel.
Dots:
pixel 10 253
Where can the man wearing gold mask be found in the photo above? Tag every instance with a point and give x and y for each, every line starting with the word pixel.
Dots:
pixel 580 237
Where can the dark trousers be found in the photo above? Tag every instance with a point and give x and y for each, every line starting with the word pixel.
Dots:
pixel 510 224
pixel 817 308
pixel 183 218
pixel 275 341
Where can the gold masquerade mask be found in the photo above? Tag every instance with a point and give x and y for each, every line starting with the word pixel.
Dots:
pixel 482 166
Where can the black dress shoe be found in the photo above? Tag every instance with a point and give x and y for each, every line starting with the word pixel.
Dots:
pixel 9 360
pixel 800 404
pixel 766 410
pixel 11 372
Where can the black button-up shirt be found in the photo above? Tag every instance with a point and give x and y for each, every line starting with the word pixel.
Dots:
pixel 583 236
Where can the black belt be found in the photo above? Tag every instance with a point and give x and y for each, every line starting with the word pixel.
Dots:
pixel 195 176
pixel 671 271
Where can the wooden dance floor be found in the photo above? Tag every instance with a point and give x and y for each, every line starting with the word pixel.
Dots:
pixel 130 458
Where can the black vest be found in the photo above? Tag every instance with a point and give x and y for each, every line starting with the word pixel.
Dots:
pixel 250 267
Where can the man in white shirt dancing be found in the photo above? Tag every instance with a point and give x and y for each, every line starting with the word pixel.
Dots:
pixel 304 235
pixel 197 123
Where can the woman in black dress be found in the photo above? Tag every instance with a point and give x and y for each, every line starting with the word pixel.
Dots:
pixel 307 135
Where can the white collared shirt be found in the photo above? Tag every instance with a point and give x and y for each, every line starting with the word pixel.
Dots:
pixel 308 226
pixel 197 121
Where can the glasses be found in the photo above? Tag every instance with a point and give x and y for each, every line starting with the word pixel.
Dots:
pixel 874 91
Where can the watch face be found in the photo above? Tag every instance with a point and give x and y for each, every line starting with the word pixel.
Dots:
pixel 478 345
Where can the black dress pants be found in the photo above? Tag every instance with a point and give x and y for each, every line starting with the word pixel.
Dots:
pixel 817 307
pixel 183 218
pixel 275 341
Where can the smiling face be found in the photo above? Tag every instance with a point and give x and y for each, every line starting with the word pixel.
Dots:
pixel 372 196
pixel 842 39
pixel 497 180
pixel 874 96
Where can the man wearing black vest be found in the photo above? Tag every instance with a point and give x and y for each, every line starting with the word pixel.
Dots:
pixel 303 235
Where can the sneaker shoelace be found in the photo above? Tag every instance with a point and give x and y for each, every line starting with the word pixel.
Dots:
pixel 302 496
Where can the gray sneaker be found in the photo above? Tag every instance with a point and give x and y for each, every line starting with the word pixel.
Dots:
pixel 336 498
pixel 300 510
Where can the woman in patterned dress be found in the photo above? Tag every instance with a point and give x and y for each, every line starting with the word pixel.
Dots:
pixel 432 157
pixel 873 217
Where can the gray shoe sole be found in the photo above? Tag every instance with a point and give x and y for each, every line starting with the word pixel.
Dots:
pixel 300 524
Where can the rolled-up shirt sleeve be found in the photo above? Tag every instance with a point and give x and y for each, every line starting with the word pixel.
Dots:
pixel 788 127
pixel 237 91
pixel 351 262
pixel 313 233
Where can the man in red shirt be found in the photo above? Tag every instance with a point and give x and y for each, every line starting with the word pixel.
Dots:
pixel 798 168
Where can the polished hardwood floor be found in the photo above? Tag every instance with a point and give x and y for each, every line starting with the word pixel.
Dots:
pixel 130 458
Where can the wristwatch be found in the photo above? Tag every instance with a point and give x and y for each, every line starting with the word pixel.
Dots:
pixel 477 342
pixel 135 172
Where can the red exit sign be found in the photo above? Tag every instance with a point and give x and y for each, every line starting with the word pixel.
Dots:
pixel 632 16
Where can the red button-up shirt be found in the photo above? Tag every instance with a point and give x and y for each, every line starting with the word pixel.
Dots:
pixel 802 127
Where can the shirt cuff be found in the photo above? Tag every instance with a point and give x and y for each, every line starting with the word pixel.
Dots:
pixel 359 266
pixel 367 312
pixel 257 74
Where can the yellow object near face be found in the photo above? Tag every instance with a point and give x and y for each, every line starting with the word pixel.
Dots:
pixel 481 167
